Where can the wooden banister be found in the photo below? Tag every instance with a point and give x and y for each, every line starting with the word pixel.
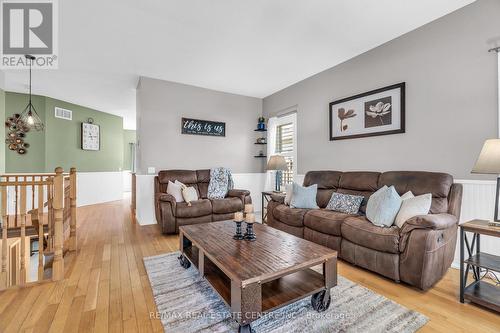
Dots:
pixel 3 212
pixel 57 205
pixel 49 216
pixel 22 214
pixel 72 196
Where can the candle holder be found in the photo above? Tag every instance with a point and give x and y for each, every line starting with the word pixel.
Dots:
pixel 250 234
pixel 239 233
pixel 238 219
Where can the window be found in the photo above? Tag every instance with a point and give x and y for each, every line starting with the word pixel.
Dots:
pixel 285 146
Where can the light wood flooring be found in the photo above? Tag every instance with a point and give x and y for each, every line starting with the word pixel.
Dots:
pixel 107 290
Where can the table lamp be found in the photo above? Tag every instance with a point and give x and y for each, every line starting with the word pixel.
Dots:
pixel 278 163
pixel 488 162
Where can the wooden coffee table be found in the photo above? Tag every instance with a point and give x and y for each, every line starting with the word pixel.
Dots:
pixel 257 277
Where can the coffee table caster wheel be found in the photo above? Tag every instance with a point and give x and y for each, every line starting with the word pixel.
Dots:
pixel 245 329
pixel 318 301
pixel 184 262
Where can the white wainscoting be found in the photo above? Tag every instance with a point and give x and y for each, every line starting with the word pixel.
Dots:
pixel 478 202
pixel 145 214
pixel 98 187
pixel 92 188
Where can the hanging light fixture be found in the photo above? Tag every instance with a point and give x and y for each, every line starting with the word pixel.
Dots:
pixel 29 117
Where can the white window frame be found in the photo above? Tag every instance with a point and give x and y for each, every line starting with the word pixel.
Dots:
pixel 289 117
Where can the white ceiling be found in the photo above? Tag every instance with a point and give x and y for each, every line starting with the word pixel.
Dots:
pixel 248 47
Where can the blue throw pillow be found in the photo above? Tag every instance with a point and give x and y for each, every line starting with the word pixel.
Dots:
pixel 383 206
pixel 345 203
pixel 304 197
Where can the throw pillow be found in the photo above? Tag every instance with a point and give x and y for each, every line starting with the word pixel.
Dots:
pixel 345 203
pixel 419 205
pixel 179 183
pixel 383 206
pixel 407 195
pixel 289 192
pixel 189 194
pixel 175 190
pixel 304 197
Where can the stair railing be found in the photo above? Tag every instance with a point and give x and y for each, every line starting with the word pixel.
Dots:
pixel 36 205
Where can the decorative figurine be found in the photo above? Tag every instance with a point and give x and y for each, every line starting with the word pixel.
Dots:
pixel 261 125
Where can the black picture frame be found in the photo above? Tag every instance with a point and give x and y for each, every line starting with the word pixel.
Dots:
pixel 401 129
pixel 203 127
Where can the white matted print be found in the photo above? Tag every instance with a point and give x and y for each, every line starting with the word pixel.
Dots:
pixel 377 112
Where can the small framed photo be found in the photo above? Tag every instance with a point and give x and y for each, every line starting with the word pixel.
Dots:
pixel 376 112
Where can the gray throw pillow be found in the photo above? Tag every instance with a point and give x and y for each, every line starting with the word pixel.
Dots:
pixel 383 206
pixel 304 197
pixel 345 203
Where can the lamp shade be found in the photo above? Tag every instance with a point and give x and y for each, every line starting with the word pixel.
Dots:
pixel 277 162
pixel 488 161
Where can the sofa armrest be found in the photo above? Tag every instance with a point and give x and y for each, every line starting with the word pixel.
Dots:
pixel 278 198
pixel 238 193
pixel 433 221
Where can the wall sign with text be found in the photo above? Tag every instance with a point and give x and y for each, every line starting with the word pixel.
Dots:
pixel 203 127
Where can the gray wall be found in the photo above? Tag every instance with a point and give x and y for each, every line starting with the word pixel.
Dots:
pixel 160 107
pixel 451 98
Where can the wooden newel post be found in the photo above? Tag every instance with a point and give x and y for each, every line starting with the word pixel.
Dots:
pixel 57 205
pixel 72 197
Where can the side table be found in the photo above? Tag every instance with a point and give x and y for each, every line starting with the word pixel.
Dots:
pixel 266 197
pixel 479 291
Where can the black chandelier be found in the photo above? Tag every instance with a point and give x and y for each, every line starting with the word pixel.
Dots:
pixel 29 117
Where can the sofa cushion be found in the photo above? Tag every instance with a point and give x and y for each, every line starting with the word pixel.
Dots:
pixel 304 197
pixel 325 221
pixel 226 205
pixel 198 208
pixel 359 230
pixel 291 216
pixel 383 206
pixel 421 182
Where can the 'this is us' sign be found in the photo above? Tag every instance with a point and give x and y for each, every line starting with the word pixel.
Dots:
pixel 203 127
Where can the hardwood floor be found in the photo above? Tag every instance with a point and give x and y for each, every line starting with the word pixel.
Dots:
pixel 107 289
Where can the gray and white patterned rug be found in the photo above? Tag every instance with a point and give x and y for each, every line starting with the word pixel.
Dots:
pixel 186 303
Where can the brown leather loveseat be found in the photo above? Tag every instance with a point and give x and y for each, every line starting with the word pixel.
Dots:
pixel 419 253
pixel 171 214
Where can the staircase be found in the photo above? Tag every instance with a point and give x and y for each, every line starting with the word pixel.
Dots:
pixel 36 207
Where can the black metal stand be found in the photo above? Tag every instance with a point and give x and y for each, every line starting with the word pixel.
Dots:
pixel 239 234
pixel 472 248
pixel 250 234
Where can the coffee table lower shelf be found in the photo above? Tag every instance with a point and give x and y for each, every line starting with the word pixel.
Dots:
pixel 276 293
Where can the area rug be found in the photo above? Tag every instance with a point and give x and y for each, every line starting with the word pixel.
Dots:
pixel 186 303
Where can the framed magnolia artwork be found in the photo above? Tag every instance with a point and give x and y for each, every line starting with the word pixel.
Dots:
pixel 377 112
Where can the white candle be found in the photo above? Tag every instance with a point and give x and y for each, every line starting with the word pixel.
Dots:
pixel 238 216
pixel 248 208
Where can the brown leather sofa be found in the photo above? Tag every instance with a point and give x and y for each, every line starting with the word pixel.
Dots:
pixel 419 253
pixel 171 214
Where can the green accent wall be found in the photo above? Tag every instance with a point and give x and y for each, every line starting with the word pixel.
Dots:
pixel 60 142
pixel 63 139
pixel 34 159
pixel 2 131
pixel 129 137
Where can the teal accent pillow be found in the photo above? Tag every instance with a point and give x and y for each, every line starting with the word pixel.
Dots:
pixel 304 197
pixel 383 206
